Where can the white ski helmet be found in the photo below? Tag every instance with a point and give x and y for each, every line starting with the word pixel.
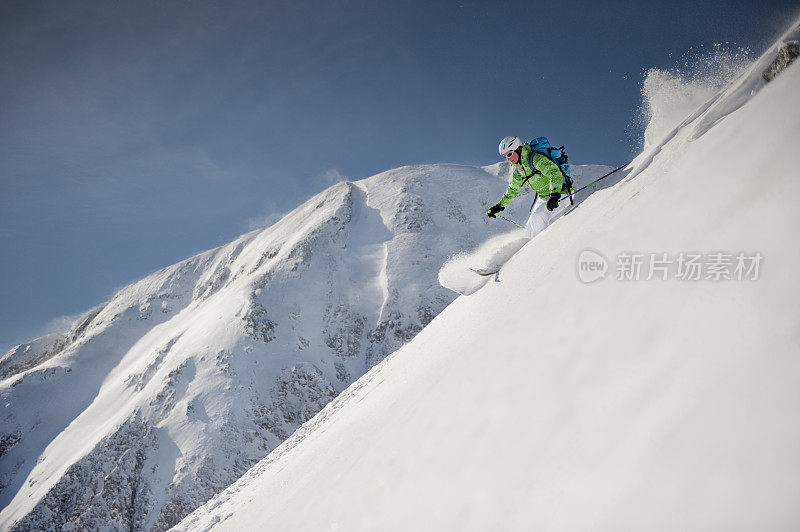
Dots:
pixel 510 143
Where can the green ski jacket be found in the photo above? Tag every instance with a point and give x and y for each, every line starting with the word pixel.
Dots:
pixel 545 176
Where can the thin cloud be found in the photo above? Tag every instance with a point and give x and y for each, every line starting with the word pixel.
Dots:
pixel 333 176
pixel 61 324
pixel 264 221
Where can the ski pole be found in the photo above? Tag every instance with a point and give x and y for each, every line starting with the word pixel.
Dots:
pixel 600 178
pixel 509 220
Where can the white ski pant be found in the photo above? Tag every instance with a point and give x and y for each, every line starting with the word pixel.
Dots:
pixel 540 217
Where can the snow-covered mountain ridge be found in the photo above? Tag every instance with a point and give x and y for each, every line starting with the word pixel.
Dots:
pixel 544 403
pixel 167 393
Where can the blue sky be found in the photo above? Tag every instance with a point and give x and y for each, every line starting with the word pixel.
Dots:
pixel 135 134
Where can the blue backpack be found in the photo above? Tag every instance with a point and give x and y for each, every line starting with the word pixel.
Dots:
pixel 557 155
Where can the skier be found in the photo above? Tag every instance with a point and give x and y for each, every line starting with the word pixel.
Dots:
pixel 542 175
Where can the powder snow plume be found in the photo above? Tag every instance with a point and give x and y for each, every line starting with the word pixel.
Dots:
pixel 456 273
pixel 669 96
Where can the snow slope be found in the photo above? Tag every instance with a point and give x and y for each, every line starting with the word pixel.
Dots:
pixel 543 403
pixel 164 395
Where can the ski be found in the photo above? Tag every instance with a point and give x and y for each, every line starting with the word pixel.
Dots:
pixel 486 271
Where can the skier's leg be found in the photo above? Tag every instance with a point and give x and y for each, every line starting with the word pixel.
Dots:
pixel 538 220
pixel 529 226
pixel 541 218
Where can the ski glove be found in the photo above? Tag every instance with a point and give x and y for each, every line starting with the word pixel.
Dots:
pixel 552 203
pixel 494 210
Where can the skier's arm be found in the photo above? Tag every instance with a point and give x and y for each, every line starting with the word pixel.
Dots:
pixel 513 191
pixel 551 171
